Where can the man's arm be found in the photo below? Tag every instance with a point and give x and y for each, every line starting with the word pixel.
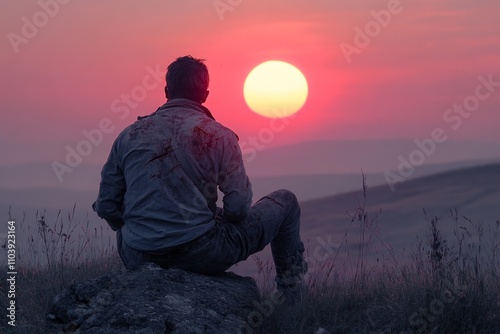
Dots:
pixel 109 203
pixel 234 182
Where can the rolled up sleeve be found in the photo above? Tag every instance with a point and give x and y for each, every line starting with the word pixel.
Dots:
pixel 109 203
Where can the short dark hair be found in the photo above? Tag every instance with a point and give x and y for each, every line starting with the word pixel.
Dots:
pixel 187 77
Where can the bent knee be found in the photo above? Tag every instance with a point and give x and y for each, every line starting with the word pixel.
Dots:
pixel 285 197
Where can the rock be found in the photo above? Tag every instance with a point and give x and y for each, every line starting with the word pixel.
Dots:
pixel 154 300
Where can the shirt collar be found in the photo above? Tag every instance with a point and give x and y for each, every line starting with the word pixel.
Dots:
pixel 186 103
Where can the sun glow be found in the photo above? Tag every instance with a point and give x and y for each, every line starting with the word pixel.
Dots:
pixel 275 89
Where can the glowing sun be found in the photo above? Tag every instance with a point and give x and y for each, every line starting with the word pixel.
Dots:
pixel 275 89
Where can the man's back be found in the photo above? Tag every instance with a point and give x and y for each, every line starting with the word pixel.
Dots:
pixel 159 191
pixel 167 167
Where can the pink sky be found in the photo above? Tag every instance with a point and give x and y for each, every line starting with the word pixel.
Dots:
pixel 66 77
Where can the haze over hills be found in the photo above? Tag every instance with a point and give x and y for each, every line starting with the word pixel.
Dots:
pixel 350 156
pixel 305 159
pixel 306 187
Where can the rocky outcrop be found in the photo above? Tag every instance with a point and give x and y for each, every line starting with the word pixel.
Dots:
pixel 153 300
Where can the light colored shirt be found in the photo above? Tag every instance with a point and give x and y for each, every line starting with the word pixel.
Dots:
pixel 159 184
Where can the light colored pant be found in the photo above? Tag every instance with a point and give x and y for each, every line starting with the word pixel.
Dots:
pixel 274 219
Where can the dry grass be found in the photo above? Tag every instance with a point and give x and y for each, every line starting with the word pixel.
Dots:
pixel 443 286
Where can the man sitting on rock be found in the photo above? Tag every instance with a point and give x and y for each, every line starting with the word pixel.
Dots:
pixel 159 185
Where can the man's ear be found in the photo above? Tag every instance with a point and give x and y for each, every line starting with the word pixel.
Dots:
pixel 166 92
pixel 206 95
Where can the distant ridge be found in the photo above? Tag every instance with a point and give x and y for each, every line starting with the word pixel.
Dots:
pixel 302 159
pixel 373 156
